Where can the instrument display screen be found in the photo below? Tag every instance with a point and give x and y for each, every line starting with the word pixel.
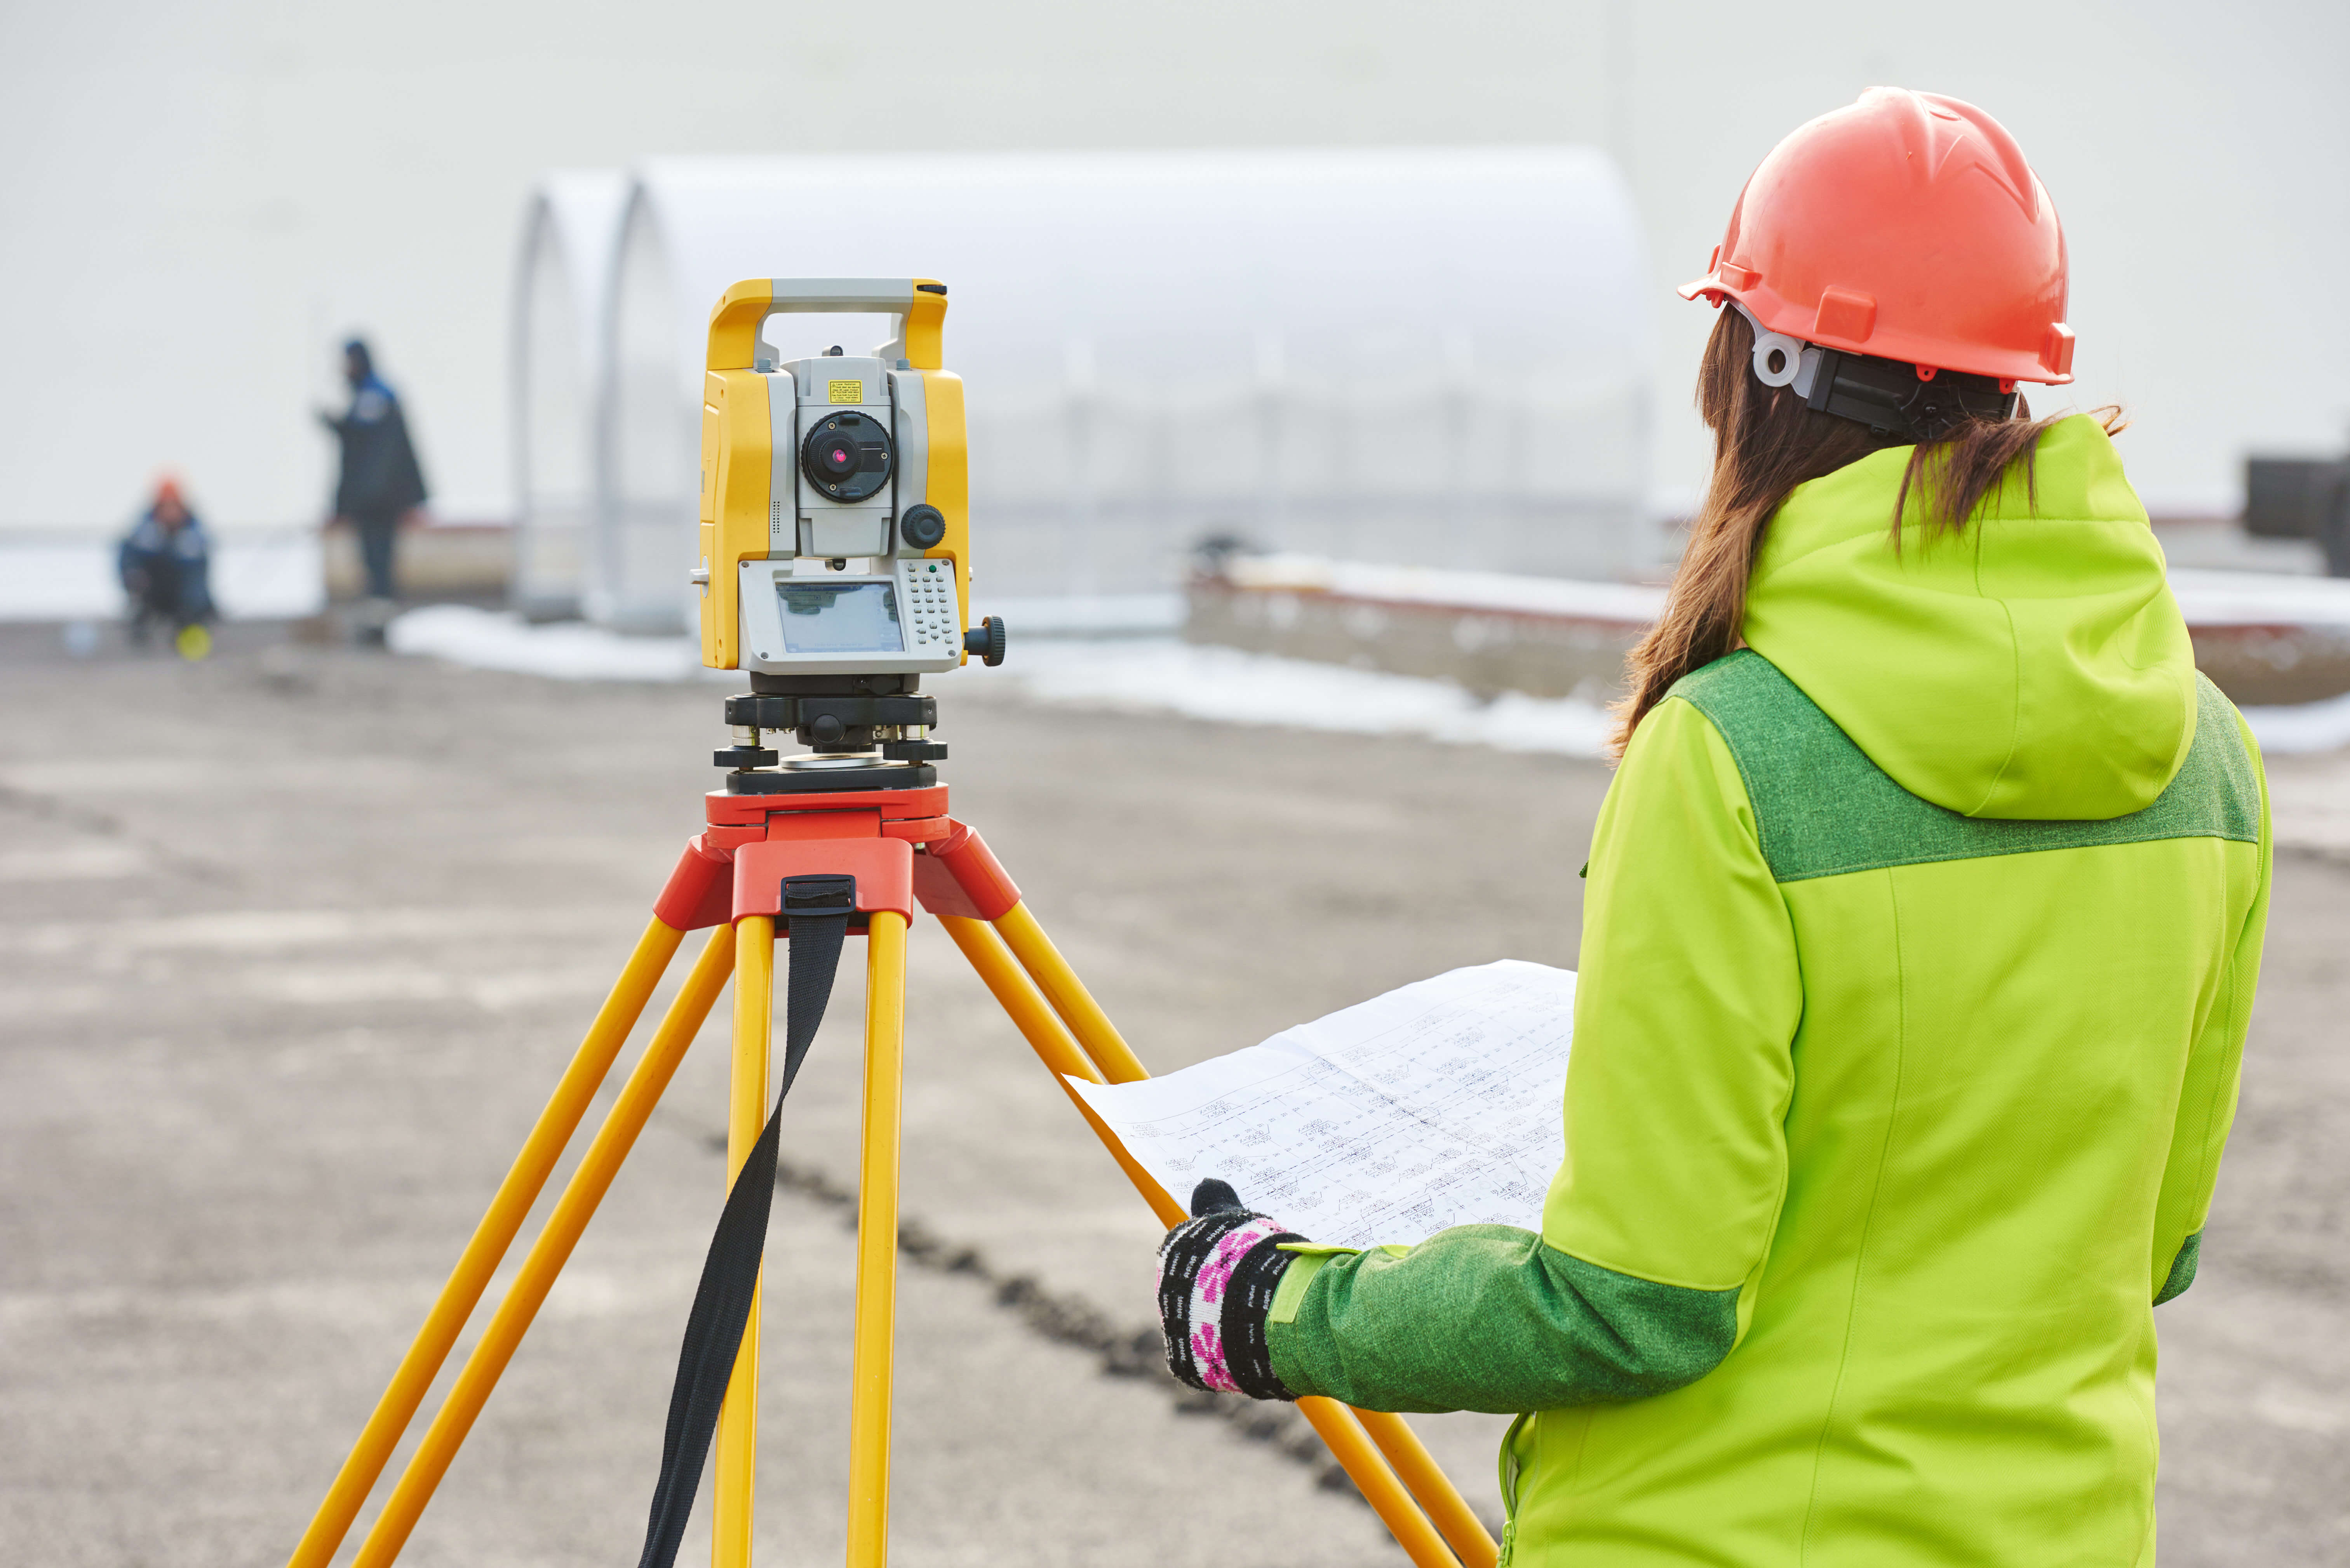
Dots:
pixel 840 617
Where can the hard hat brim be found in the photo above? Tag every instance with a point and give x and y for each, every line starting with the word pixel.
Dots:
pixel 1772 311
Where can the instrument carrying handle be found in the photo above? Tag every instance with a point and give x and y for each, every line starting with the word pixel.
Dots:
pixel 919 304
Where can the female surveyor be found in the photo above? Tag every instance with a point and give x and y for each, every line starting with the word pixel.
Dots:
pixel 1923 920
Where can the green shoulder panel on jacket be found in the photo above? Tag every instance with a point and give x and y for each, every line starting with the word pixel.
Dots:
pixel 1822 808
pixel 1487 1317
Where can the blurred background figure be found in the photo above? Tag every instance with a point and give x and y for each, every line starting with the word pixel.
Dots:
pixel 166 569
pixel 382 483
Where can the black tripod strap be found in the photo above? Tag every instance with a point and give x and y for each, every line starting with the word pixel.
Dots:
pixel 816 912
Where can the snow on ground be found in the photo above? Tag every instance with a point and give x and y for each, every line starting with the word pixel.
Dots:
pixel 2207 598
pixel 1086 614
pixel 1629 604
pixel 563 650
pixel 1146 673
pixel 1203 682
pixel 2303 728
pixel 1158 673
pixel 2259 599
pixel 258 574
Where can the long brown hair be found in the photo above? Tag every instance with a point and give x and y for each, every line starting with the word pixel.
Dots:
pixel 1766 442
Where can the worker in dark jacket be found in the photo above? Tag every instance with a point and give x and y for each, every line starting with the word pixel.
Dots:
pixel 165 565
pixel 381 482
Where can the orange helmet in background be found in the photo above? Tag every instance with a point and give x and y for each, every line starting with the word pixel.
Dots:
pixel 1906 226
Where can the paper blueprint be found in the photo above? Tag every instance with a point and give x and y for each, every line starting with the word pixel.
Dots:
pixel 1433 1105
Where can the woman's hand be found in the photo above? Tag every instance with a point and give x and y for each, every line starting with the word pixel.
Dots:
pixel 1217 1275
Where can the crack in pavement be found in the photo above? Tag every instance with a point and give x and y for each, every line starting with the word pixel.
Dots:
pixel 1063 1317
pixel 44 806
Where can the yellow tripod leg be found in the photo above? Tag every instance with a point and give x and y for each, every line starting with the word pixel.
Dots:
pixel 1053 1044
pixel 736 1469
pixel 1425 1479
pixel 992 949
pixel 1068 995
pixel 1341 1432
pixel 491 1239
pixel 572 1212
pixel 877 1241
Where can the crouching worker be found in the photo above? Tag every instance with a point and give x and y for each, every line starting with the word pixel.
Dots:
pixel 1923 920
pixel 165 565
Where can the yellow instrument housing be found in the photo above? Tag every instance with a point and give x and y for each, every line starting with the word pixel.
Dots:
pixel 739 464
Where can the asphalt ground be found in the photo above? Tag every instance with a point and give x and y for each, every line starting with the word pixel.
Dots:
pixel 294 942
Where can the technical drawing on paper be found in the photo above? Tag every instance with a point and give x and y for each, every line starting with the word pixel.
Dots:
pixel 1433 1105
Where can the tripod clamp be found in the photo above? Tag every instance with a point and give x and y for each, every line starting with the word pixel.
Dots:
pixel 835 724
pixel 879 721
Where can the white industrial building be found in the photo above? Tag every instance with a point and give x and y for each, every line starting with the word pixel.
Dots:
pixel 560 310
pixel 1391 355
pixel 201 200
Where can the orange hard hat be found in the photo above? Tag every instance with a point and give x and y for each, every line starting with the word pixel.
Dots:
pixel 1906 226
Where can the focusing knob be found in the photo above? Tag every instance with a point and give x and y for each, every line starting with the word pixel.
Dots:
pixel 986 639
pixel 923 526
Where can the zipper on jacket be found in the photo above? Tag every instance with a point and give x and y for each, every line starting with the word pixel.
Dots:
pixel 1510 1468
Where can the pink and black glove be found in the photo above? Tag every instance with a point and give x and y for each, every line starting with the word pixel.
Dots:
pixel 1217 1275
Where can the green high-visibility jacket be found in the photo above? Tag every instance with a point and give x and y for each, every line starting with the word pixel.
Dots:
pixel 1917 955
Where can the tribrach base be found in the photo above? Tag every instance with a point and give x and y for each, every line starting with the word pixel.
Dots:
pixel 905 852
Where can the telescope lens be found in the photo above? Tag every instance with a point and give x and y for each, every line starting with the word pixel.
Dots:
pixel 847 456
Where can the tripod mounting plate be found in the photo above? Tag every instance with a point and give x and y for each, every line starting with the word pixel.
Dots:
pixel 899 809
pixel 832 781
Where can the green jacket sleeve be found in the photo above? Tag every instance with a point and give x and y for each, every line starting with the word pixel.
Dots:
pixel 1676 1089
pixel 2207 1097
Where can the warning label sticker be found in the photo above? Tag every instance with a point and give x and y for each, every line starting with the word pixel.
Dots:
pixel 847 392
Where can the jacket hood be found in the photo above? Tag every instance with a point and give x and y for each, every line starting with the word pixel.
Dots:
pixel 2035 666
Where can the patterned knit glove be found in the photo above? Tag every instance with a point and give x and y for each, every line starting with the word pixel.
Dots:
pixel 1217 1273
